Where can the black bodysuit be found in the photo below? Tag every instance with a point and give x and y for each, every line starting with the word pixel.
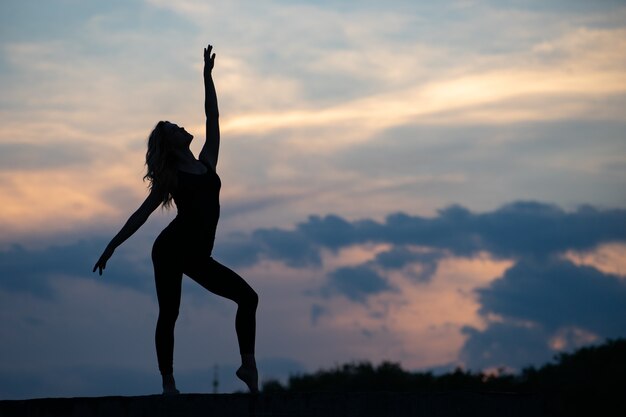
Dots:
pixel 197 199
pixel 184 247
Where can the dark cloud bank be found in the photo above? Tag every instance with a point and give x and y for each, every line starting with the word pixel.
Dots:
pixel 541 296
pixel 517 230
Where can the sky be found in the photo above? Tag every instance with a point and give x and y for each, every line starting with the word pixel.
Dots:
pixel 438 184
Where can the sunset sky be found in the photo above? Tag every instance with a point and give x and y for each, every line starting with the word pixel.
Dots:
pixel 438 184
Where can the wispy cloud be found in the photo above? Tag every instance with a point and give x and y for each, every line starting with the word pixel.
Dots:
pixel 305 86
pixel 551 80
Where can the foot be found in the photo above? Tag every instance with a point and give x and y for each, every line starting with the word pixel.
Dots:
pixel 250 376
pixel 169 385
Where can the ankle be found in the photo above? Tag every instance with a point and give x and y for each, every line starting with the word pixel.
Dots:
pixel 248 361
pixel 250 376
pixel 169 384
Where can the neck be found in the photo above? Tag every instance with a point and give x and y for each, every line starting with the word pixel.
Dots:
pixel 184 156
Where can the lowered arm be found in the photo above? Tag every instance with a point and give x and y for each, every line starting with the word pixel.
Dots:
pixel 134 222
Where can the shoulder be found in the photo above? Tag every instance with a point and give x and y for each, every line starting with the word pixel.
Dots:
pixel 208 164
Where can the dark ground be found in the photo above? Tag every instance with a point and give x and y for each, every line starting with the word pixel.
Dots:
pixel 314 404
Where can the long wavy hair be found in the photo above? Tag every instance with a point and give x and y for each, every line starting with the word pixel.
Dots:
pixel 161 170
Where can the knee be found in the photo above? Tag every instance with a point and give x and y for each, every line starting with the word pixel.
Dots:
pixel 250 299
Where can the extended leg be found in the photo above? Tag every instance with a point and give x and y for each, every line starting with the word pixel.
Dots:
pixel 168 281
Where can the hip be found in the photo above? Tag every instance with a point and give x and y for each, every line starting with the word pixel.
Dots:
pixel 175 240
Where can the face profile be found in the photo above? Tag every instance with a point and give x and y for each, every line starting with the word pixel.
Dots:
pixel 178 136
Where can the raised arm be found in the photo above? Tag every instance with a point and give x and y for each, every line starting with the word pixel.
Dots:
pixel 134 222
pixel 211 147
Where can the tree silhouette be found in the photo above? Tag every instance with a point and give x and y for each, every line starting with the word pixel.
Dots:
pixel 589 381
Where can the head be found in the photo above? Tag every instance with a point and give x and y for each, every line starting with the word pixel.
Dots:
pixel 176 135
pixel 165 143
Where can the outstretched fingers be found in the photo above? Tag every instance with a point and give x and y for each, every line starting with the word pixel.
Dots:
pixel 207 53
pixel 208 58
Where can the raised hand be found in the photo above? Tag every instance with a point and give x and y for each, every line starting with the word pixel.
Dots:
pixel 211 146
pixel 209 60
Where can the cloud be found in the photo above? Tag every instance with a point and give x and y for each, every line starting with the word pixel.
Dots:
pixel 609 258
pixel 355 108
pixel 505 345
pixel 371 67
pixel 331 231
pixel 556 294
pixel 405 277
pixel 326 80
pixel 317 312
pixel 544 305
pixel 541 288
pixel 356 283
pixel 520 230
pixel 517 229
pixel 400 256
pixel 29 156
pixel 32 270
pixel 294 248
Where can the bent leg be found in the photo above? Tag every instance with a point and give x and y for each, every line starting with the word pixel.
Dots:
pixel 224 282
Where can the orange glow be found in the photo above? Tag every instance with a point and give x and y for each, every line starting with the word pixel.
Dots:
pixel 32 202
pixel 436 311
pixel 59 200
pixel 571 337
pixel 525 87
pixel 352 255
pixel 462 99
pixel 609 258
pixel 558 78
pixel 418 325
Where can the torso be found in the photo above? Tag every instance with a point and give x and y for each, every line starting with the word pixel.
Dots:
pixel 196 168
pixel 197 202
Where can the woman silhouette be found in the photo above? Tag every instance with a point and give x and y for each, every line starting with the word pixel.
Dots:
pixel 185 245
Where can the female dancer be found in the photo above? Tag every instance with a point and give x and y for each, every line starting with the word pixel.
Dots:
pixel 185 245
